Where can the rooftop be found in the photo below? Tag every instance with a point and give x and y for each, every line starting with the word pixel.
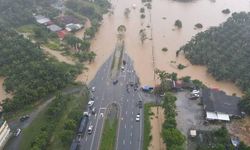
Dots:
pixel 54 28
pixel 218 101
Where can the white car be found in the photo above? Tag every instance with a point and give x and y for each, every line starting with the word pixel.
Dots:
pixel 93 89
pixel 90 129
pixel 90 103
pixel 195 92
pixel 137 117
pixel 18 131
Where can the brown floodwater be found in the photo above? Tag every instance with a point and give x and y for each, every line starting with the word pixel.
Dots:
pixel 164 34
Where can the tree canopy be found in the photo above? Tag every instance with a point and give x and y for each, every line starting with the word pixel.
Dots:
pixel 19 12
pixel 224 50
pixel 30 75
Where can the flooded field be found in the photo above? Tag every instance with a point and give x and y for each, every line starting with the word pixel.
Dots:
pixel 160 30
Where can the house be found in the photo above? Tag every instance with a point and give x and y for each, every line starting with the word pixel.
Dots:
pixel 64 20
pixel 4 133
pixel 218 105
pixel 42 19
pixel 54 28
pixel 73 27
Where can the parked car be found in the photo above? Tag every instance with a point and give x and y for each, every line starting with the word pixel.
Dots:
pixel 93 111
pixel 137 119
pixel 93 89
pixel 140 104
pixel 23 118
pixel 90 129
pixel 90 103
pixel 18 131
pixel 195 92
pixel 115 82
pixel 92 97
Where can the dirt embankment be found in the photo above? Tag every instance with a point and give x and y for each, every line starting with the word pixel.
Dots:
pixel 59 56
pixel 156 122
pixel 3 94
pixel 241 129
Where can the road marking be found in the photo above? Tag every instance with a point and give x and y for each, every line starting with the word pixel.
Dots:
pixel 131 134
pixel 132 113
pixel 86 139
pixel 130 142
pixel 102 78
pixel 125 126
pixel 124 142
pixel 132 127
pixel 127 100
pixel 121 118
pixel 126 112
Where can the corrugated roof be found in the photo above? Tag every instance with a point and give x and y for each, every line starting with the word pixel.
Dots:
pixel 54 28
pixel 218 101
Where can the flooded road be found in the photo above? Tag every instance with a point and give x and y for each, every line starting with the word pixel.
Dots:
pixel 149 55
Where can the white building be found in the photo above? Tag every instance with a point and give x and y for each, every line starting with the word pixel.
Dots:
pixel 4 133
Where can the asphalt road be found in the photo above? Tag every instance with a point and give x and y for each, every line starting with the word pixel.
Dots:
pixel 130 132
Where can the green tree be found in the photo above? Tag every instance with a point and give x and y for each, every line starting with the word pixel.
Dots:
pixel 178 23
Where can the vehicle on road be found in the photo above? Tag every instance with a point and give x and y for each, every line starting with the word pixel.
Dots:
pixel 115 82
pixel 140 103
pixel 93 110
pixel 23 118
pixel 137 119
pixel 18 131
pixel 83 125
pixel 90 103
pixel 122 68
pixel 75 145
pixel 147 88
pixel 92 97
pixel 93 89
pixel 90 129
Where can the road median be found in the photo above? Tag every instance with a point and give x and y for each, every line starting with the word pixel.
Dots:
pixel 109 132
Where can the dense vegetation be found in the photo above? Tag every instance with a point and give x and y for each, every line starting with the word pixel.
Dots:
pixel 178 23
pixel 171 135
pixel 30 75
pixel 217 140
pixel 55 127
pixel 147 136
pixel 245 102
pixel 224 50
pixel 109 131
pixel 19 12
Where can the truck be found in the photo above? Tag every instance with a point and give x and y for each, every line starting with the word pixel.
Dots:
pixel 83 125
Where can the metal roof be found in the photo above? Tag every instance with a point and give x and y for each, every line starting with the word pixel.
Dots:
pixel 218 101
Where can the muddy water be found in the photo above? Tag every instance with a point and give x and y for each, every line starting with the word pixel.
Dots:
pixel 163 34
